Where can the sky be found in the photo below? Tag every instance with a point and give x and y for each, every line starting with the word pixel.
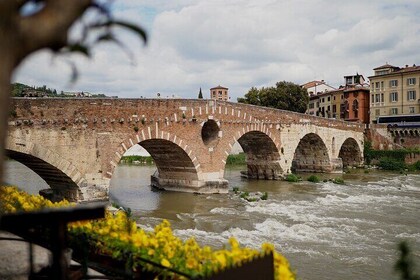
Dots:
pixel 237 44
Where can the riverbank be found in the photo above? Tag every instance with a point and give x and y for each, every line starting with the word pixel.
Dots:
pixel 237 159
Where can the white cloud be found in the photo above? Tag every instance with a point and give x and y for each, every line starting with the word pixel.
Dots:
pixel 240 44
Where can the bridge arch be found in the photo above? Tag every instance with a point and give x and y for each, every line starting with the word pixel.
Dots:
pixel 262 153
pixel 177 165
pixel 61 175
pixel 311 155
pixel 350 153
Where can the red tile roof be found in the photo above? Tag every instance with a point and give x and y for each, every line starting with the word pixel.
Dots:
pixel 386 65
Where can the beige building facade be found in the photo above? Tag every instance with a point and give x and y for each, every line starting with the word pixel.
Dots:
pixel 394 91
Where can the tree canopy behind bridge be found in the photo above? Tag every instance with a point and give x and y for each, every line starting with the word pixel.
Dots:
pixel 285 95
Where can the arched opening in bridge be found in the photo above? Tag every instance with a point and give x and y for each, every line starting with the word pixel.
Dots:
pixel 210 133
pixel 262 156
pixel 311 155
pixel 350 153
pixel 61 185
pixel 175 169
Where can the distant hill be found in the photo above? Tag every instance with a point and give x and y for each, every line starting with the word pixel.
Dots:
pixel 22 90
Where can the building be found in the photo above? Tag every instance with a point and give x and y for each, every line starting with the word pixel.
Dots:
pixel 313 105
pixel 219 93
pixel 355 107
pixel 349 102
pixel 315 87
pixel 394 91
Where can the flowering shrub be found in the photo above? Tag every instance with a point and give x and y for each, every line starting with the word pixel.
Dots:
pixel 117 235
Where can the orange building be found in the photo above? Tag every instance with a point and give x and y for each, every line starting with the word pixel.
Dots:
pixel 356 104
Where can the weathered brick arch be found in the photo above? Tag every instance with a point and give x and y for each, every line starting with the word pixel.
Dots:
pixel 165 141
pixel 61 175
pixel 262 150
pixel 350 152
pixel 311 155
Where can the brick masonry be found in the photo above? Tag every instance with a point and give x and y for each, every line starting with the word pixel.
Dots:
pixel 77 143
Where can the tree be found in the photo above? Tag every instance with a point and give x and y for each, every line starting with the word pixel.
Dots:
pixel 285 95
pixel 200 95
pixel 47 26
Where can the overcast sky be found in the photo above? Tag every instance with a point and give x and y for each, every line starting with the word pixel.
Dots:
pixel 238 44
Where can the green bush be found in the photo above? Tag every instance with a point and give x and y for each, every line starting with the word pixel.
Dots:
pixel 417 165
pixel 339 181
pixel 142 159
pixel 388 163
pixel 264 196
pixel 239 159
pixel 244 195
pixel 292 178
pixel 314 179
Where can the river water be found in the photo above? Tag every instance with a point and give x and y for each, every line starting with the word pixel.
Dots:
pixel 327 231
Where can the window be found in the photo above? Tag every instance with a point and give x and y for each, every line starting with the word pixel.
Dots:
pixel 393 96
pixel 334 108
pixel 355 108
pixel 394 111
pixel 411 95
pixel 411 81
pixel 382 97
pixel 334 97
pixel 373 98
pixel 349 80
pixel 393 83
pixel 411 109
pixel 382 85
pixel 377 85
pixel 377 98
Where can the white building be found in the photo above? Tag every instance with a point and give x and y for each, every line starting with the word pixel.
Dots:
pixel 315 87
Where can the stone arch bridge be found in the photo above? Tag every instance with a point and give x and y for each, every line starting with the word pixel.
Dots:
pixel 75 144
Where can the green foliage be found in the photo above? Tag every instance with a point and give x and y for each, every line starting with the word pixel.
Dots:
pixel 20 90
pixel 244 195
pixel 417 165
pixel 388 163
pixel 141 159
pixel 239 159
pixel 235 190
pixel 292 178
pixel 338 181
pixel 200 95
pixel 264 196
pixel 285 95
pixel 314 179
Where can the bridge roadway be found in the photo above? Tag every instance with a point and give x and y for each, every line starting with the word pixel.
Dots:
pixel 76 144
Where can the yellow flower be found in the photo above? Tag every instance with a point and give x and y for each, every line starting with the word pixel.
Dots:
pixel 165 263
